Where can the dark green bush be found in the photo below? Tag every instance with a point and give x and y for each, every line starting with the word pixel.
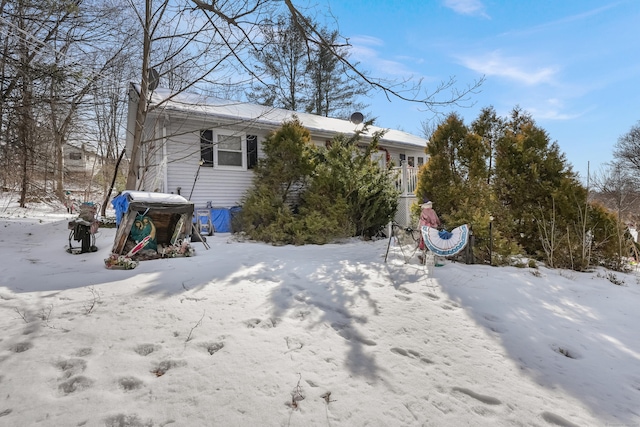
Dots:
pixel 307 194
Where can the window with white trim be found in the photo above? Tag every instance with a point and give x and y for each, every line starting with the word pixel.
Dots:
pixel 219 148
pixel 229 150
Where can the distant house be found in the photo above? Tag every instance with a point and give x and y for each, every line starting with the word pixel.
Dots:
pixel 77 159
pixel 204 148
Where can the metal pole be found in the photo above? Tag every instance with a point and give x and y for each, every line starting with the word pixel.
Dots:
pixel 490 240
pixel 195 179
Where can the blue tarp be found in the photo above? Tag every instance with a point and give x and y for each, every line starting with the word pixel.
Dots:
pixel 220 218
pixel 120 204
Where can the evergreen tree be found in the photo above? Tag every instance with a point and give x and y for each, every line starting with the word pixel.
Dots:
pixel 532 181
pixel 489 127
pixel 509 170
pixel 331 91
pixel 308 194
pixel 300 77
pixel 269 206
pixel 346 175
pixel 454 177
pixel 455 158
pixel 282 64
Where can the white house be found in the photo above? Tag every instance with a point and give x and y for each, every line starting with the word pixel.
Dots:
pixel 204 148
pixel 79 159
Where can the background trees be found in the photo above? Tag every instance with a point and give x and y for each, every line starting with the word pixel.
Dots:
pixel 296 76
pixel 63 62
pixel 281 65
pixel 627 150
pixel 55 54
pixel 333 91
pixel 232 29
pixel 282 62
pixel 509 170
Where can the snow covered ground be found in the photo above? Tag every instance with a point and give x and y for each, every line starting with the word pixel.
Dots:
pixel 247 334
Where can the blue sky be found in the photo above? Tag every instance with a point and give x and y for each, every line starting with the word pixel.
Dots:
pixel 574 65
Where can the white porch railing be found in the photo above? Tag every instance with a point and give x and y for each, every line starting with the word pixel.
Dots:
pixel 406 179
pixel 406 182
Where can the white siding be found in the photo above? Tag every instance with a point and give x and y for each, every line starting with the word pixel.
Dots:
pixel 222 187
pixel 148 159
pixel 179 140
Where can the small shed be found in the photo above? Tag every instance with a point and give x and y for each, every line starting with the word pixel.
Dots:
pixel 170 214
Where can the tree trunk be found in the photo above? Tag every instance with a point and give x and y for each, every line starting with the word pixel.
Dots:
pixel 141 111
pixel 103 211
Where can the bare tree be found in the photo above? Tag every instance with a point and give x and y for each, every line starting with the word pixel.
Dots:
pixel 56 54
pixel 236 14
pixel 183 40
pixel 230 29
pixel 617 189
pixel 627 149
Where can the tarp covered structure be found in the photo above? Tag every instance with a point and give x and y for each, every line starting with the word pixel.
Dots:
pixel 137 212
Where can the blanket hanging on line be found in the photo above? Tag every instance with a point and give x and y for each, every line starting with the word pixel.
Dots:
pixel 445 243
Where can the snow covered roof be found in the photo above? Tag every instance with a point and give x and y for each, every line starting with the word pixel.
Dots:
pixel 270 117
pixel 145 196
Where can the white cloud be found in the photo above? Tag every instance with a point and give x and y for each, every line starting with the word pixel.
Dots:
pixel 365 49
pixel 551 114
pixel 562 23
pixel 513 68
pixel 467 7
pixel 555 109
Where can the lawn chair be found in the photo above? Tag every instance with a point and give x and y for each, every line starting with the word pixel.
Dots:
pixel 204 223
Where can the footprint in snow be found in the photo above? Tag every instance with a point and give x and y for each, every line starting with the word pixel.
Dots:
pixel 146 349
pixel 166 365
pixel 494 323
pixel 568 352
pixel 21 347
pixel 122 420
pixel 482 398
pixel 492 318
pixel 71 367
pixel 557 420
pixel 130 383
pixel 213 347
pixel 86 351
pixel 431 296
pixel 267 324
pixel 75 384
pixel 345 332
pixel 450 305
pixel 411 354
